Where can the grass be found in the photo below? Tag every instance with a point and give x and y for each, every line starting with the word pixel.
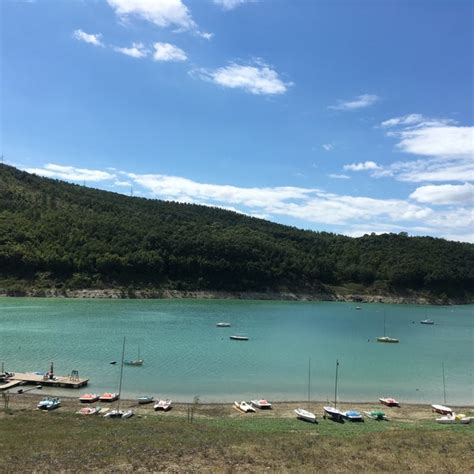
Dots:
pixel 36 441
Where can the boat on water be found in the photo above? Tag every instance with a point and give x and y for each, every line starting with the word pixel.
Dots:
pixel 262 404
pixel 163 405
pixel 427 321
pixel 88 398
pixel 353 415
pixel 223 325
pixel 109 397
pixel 88 411
pixel 389 402
pixel 385 338
pixel 239 337
pixel 358 308
pixel 453 418
pixel 135 362
pixel 441 409
pixel 49 403
pixel 244 406
pixel 376 415
pixel 145 399
pixel 305 415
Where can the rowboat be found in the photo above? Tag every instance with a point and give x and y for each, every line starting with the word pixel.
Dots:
pixel 223 325
pixel 238 337
pixel 353 415
pixel 163 405
pixel 109 397
pixel 261 404
pixel 305 415
pixel 244 406
pixel 144 400
pixel 389 402
pixel 333 413
pixel 441 409
pixel 89 398
pixel 427 321
pixel 49 403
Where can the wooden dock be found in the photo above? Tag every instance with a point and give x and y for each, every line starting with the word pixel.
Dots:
pixel 35 379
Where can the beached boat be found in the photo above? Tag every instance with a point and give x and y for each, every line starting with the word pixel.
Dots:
pixel 239 337
pixel 441 409
pixel 376 415
pixel 262 404
pixel 127 414
pixel 244 406
pixel 114 414
pixel 305 415
pixel 353 415
pixel 49 403
pixel 88 398
pixel 385 338
pixel 144 400
pixel 427 321
pixel 109 397
pixel 223 325
pixel 88 411
pixel 389 402
pixel 452 419
pixel 333 413
pixel 163 405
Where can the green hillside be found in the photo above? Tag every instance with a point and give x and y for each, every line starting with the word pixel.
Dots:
pixel 60 235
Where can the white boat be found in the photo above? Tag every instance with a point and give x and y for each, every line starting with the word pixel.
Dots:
pixel 441 409
pixel 385 338
pixel 306 415
pixel 114 414
pixel 163 405
pixel 223 325
pixel 333 413
pixel 239 337
pixel 389 402
pixel 144 400
pixel 244 406
pixel 353 415
pixel 127 414
pixel 451 419
pixel 49 403
pixel 88 411
pixel 89 398
pixel 262 403
pixel 136 362
pixel 427 321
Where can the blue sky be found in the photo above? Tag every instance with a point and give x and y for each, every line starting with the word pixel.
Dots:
pixel 351 117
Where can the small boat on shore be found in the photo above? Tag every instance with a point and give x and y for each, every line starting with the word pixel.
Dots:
pixel 333 413
pixel 244 406
pixel 49 403
pixel 223 325
pixel 427 321
pixel 144 400
pixel 376 415
pixel 353 415
pixel 109 397
pixel 239 337
pixel 262 404
pixel 441 409
pixel 452 419
pixel 114 414
pixel 389 402
pixel 88 411
pixel 88 398
pixel 305 415
pixel 163 405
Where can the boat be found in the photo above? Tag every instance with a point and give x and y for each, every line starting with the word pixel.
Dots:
pixel 109 397
pixel 88 411
pixel 262 404
pixel 238 337
pixel 358 308
pixel 144 400
pixel 114 414
pixel 244 406
pixel 127 414
pixel 389 402
pixel 427 321
pixel 332 411
pixel 49 403
pixel 353 415
pixel 305 415
pixel 301 413
pixel 163 405
pixel 135 362
pixel 376 415
pixel 223 325
pixel 451 419
pixel 385 338
pixel 89 398
pixel 441 409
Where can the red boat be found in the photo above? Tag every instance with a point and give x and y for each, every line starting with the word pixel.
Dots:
pixel 89 398
pixel 389 402
pixel 109 397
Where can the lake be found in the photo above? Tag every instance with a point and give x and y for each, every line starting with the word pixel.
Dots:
pixel 186 354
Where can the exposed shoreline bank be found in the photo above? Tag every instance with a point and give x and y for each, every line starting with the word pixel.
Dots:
pixel 121 293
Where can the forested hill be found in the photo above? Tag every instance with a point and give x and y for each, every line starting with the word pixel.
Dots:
pixel 60 235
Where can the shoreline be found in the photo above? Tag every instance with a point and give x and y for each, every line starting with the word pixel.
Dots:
pixel 163 294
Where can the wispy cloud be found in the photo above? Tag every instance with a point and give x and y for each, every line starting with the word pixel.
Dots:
pixel 328 146
pixel 359 102
pixel 71 173
pixel 231 4
pixel 258 79
pixel 339 176
pixel 94 39
pixel 137 50
pixel 168 52
pixel 366 165
pixel 445 194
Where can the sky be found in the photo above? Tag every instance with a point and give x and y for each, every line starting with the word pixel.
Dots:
pixel 348 116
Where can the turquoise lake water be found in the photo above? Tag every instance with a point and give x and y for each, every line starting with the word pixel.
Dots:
pixel 186 354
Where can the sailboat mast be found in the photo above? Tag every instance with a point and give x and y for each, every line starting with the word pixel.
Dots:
pixel 309 383
pixel 444 383
pixel 121 373
pixel 384 321
pixel 335 387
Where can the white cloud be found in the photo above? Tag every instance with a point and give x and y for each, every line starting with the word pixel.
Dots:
pixel 137 50
pixel 328 146
pixel 415 120
pixel 231 4
pixel 88 37
pixel 259 79
pixel 168 52
pixel 123 183
pixel 444 194
pixel 366 165
pixel 70 173
pixel 339 176
pixel 359 102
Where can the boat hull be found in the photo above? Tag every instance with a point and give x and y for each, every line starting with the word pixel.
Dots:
pixel 305 415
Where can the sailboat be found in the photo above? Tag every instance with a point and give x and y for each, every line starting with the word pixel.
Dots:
pixel 443 409
pixel 385 338
pixel 330 411
pixel 137 361
pixel 301 413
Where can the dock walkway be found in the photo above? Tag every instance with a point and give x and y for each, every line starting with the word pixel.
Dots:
pixel 37 379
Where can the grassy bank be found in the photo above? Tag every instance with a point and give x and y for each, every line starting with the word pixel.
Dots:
pixel 220 439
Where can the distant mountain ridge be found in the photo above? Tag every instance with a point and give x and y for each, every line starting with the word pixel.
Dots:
pixel 65 236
